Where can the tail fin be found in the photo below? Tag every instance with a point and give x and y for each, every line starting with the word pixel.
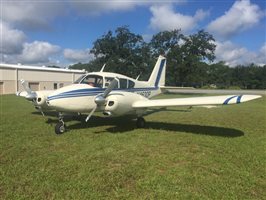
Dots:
pixel 157 77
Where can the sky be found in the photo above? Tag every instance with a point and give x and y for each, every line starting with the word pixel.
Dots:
pixel 62 32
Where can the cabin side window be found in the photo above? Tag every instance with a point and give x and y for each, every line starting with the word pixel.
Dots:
pixel 123 83
pixel 108 80
pixel 131 84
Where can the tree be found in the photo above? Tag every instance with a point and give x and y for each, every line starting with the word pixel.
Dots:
pixel 121 50
pixel 165 42
pixel 184 54
pixel 189 59
pixel 219 74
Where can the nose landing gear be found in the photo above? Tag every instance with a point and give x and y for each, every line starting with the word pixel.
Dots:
pixel 60 127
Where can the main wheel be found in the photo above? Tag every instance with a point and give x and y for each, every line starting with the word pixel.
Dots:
pixel 141 122
pixel 60 128
pixel 49 120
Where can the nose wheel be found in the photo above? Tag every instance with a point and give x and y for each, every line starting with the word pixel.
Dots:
pixel 60 127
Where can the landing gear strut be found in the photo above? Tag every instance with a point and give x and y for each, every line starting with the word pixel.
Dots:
pixel 140 122
pixel 60 127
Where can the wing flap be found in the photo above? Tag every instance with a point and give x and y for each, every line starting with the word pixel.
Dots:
pixel 194 101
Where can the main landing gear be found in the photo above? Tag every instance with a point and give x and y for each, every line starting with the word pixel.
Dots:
pixel 140 122
pixel 60 127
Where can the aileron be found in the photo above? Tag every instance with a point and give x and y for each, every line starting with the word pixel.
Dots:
pixel 195 101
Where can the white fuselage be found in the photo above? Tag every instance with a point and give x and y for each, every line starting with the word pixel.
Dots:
pixel 80 97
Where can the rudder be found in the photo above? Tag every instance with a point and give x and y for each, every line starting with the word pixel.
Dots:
pixel 157 77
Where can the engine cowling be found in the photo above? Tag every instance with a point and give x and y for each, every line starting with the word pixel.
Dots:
pixel 41 97
pixel 121 103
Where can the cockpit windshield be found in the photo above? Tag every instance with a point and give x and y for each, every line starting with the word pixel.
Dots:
pixel 93 80
pixel 79 79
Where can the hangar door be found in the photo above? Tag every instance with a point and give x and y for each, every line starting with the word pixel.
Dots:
pixel 34 86
pixel 1 88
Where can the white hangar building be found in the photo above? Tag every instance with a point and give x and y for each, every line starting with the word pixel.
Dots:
pixel 39 78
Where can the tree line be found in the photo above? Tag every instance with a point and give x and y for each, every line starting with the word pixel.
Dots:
pixel 189 59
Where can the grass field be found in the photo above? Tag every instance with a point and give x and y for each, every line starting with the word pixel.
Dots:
pixel 198 153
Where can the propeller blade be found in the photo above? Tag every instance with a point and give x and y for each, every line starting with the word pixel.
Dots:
pixel 42 112
pixel 112 85
pixel 39 108
pixel 26 86
pixel 31 95
pixel 22 94
pixel 100 99
pixel 89 116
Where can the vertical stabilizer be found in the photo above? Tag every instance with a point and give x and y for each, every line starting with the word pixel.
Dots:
pixel 157 77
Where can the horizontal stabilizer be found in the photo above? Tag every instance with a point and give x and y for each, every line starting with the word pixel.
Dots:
pixel 165 89
pixel 195 101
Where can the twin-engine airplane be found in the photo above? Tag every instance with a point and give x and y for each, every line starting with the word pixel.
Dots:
pixel 116 95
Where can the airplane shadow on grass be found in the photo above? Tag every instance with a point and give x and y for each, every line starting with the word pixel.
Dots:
pixel 126 124
pixel 123 125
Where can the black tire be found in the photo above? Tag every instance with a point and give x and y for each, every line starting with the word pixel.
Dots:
pixel 49 120
pixel 60 128
pixel 141 122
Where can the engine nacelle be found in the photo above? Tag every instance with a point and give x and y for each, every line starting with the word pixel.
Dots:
pixel 41 99
pixel 121 104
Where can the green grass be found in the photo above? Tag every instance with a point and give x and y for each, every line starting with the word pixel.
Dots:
pixel 198 153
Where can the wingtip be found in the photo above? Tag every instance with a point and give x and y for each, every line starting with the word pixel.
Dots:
pixel 249 97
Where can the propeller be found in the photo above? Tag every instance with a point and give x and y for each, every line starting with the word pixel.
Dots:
pixel 101 98
pixel 31 95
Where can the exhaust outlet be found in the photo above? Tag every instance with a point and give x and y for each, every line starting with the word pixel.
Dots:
pixel 107 113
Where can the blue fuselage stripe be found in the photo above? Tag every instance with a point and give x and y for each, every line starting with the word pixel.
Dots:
pixel 94 92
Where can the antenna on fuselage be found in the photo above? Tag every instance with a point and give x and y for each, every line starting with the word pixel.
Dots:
pixel 138 77
pixel 103 67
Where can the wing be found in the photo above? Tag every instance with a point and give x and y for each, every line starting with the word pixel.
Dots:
pixel 193 101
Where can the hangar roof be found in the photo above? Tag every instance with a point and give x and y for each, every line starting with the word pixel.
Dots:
pixel 44 68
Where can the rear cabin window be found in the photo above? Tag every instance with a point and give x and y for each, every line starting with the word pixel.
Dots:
pixel 131 84
pixel 93 80
pixel 123 83
pixel 108 80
